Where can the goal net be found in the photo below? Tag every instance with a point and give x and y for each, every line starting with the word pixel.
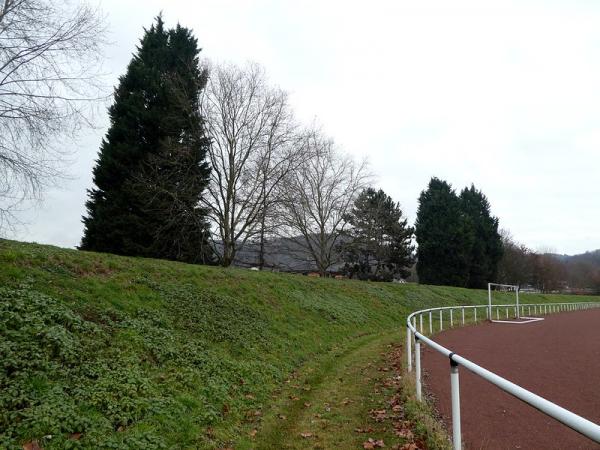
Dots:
pixel 503 304
pixel 503 301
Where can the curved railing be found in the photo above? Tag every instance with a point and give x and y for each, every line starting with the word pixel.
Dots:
pixel 433 319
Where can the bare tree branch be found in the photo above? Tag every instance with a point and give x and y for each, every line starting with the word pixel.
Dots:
pixel 50 54
pixel 316 197
pixel 252 131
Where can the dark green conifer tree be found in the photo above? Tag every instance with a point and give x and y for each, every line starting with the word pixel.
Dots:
pixel 151 170
pixel 444 237
pixel 379 243
pixel 486 247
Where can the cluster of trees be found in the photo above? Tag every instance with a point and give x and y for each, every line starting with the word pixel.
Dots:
pixel 198 162
pixel 201 160
pixel 458 239
pixel 546 271
pixel 271 176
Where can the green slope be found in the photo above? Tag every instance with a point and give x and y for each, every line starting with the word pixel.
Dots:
pixel 100 351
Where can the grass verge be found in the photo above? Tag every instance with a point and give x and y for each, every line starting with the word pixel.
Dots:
pixel 101 351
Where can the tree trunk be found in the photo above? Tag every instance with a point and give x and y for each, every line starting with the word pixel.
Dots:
pixel 261 251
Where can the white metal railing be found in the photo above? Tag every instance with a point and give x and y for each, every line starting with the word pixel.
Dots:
pixel 433 315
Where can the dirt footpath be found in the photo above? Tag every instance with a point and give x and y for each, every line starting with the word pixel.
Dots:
pixel 558 358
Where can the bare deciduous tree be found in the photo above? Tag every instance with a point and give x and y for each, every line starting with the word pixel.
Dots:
pixel 316 198
pixel 253 148
pixel 50 53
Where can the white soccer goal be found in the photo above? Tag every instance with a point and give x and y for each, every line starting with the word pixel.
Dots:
pixel 508 307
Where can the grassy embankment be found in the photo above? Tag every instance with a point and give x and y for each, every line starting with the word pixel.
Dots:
pixel 100 351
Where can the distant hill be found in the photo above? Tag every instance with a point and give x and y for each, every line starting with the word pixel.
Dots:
pixel 592 256
pixel 281 254
pixel 582 270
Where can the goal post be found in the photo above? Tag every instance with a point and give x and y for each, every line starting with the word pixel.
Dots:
pixel 506 288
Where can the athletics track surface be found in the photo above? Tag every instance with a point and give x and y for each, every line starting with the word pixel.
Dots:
pixel 558 359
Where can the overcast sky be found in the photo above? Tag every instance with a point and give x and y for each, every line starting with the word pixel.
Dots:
pixel 505 96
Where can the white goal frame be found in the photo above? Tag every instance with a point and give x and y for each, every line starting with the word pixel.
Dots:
pixel 518 318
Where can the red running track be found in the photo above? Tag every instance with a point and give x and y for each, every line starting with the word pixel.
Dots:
pixel 558 359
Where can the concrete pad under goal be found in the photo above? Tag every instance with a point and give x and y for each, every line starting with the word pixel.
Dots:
pixel 522 320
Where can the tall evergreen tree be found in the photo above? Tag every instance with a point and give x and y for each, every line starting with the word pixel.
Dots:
pixel 151 171
pixel 486 246
pixel 444 237
pixel 379 243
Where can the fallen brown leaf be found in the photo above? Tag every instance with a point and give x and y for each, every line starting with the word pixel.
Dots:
pixel 32 445
pixel 405 433
pixel 410 446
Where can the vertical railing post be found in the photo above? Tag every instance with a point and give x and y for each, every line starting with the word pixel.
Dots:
pixel 408 350
pixel 451 318
pixel 441 320
pixel 418 367
pixel 475 309
pixel 489 301
pixel 430 323
pixel 455 392
pixel 463 315
pixel 421 322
